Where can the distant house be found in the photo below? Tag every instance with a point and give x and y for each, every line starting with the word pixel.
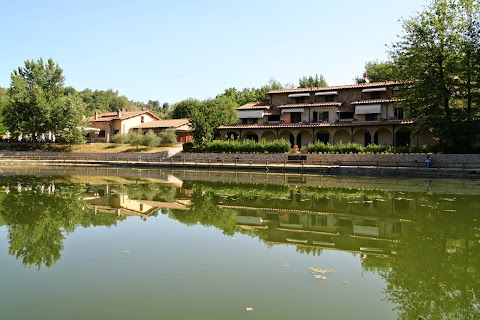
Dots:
pixel 182 128
pixel 112 123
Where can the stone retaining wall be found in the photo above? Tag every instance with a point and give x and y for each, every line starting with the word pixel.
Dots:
pixel 443 160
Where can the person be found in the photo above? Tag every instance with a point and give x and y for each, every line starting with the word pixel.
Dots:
pixel 428 161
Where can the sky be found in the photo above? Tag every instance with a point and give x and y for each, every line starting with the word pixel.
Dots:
pixel 174 50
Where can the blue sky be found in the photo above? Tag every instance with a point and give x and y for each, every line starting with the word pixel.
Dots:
pixel 173 50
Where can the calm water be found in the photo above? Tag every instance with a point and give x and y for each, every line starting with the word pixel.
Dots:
pixel 89 244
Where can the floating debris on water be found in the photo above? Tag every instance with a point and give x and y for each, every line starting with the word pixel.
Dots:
pixel 319 270
pixel 317 276
pixel 126 251
pixel 345 282
pixel 249 309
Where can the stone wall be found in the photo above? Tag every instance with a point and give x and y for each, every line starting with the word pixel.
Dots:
pixel 442 160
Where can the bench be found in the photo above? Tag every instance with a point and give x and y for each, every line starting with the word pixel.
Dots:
pixel 296 158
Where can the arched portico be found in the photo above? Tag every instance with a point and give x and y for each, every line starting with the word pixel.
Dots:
pixel 250 135
pixel 269 135
pixel 342 135
pixel 383 136
pixel 362 136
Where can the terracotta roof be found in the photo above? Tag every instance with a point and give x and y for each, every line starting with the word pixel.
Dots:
pixel 317 124
pixel 170 123
pixel 109 116
pixel 371 101
pixel 254 105
pixel 306 105
pixel 348 86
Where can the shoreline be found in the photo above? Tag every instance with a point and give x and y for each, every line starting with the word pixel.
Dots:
pixel 303 168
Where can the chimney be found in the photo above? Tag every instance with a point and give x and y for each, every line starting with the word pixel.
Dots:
pixel 145 108
pixel 119 113
pixel 96 115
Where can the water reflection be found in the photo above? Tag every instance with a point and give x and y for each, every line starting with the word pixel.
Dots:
pixel 425 244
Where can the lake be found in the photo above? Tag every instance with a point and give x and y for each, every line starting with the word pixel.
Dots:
pixel 118 243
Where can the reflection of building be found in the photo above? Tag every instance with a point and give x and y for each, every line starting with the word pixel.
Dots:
pixel 104 200
pixel 363 113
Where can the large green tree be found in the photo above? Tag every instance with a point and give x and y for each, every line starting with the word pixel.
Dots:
pixel 38 103
pixel 377 71
pixel 437 60
pixel 317 81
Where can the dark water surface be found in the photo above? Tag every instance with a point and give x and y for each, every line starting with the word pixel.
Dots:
pixel 147 244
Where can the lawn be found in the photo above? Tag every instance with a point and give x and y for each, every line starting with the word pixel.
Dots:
pixel 83 148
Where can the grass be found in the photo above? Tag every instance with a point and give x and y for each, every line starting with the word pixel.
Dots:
pixel 83 148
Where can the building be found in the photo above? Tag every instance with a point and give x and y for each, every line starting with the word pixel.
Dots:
pixel 112 123
pixel 362 113
pixel 182 128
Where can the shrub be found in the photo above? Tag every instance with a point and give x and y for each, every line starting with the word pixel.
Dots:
pixel 120 138
pixel 134 138
pixel 168 136
pixel 150 139
pixel 187 147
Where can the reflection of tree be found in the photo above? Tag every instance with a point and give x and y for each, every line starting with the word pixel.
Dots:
pixel 203 209
pixel 36 221
pixel 434 274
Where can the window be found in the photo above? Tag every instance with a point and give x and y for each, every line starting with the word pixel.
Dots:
pixel 249 120
pixel 329 98
pixel 371 117
pixel 300 99
pixel 274 118
pixel 296 117
pixel 315 116
pixel 325 116
pixel 101 134
pixel 142 119
pixel 346 115
pixel 375 95
pixel 398 113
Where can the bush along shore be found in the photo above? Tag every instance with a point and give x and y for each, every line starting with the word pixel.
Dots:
pixel 283 146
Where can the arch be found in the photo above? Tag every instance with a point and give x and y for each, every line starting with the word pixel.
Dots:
pixel 250 135
pixel 287 135
pixel 231 135
pixel 363 137
pixel 341 135
pixel 383 136
pixel 269 135
pixel 304 137
pixel 322 136
pixel 142 119
pixel 402 137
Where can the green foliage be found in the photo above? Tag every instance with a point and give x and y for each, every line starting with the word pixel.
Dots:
pixel 168 136
pixel 120 138
pixel 438 62
pixel 38 102
pixel 150 139
pixel 376 71
pixel 187 147
pixel 318 81
pixel 352 147
pixel 245 146
pixel 135 138
pixel 4 100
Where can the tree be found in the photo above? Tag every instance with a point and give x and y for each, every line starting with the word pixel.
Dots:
pixel 318 81
pixel 38 103
pixel 134 138
pixel 150 139
pixel 377 71
pixel 165 106
pixel 437 62
pixel 168 136
pixel 183 109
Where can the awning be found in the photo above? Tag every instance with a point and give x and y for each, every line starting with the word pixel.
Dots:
pixel 290 110
pixel 368 109
pixel 250 114
pixel 374 89
pixel 297 95
pixel 326 93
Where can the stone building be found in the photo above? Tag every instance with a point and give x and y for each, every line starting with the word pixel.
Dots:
pixel 362 113
pixel 112 123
